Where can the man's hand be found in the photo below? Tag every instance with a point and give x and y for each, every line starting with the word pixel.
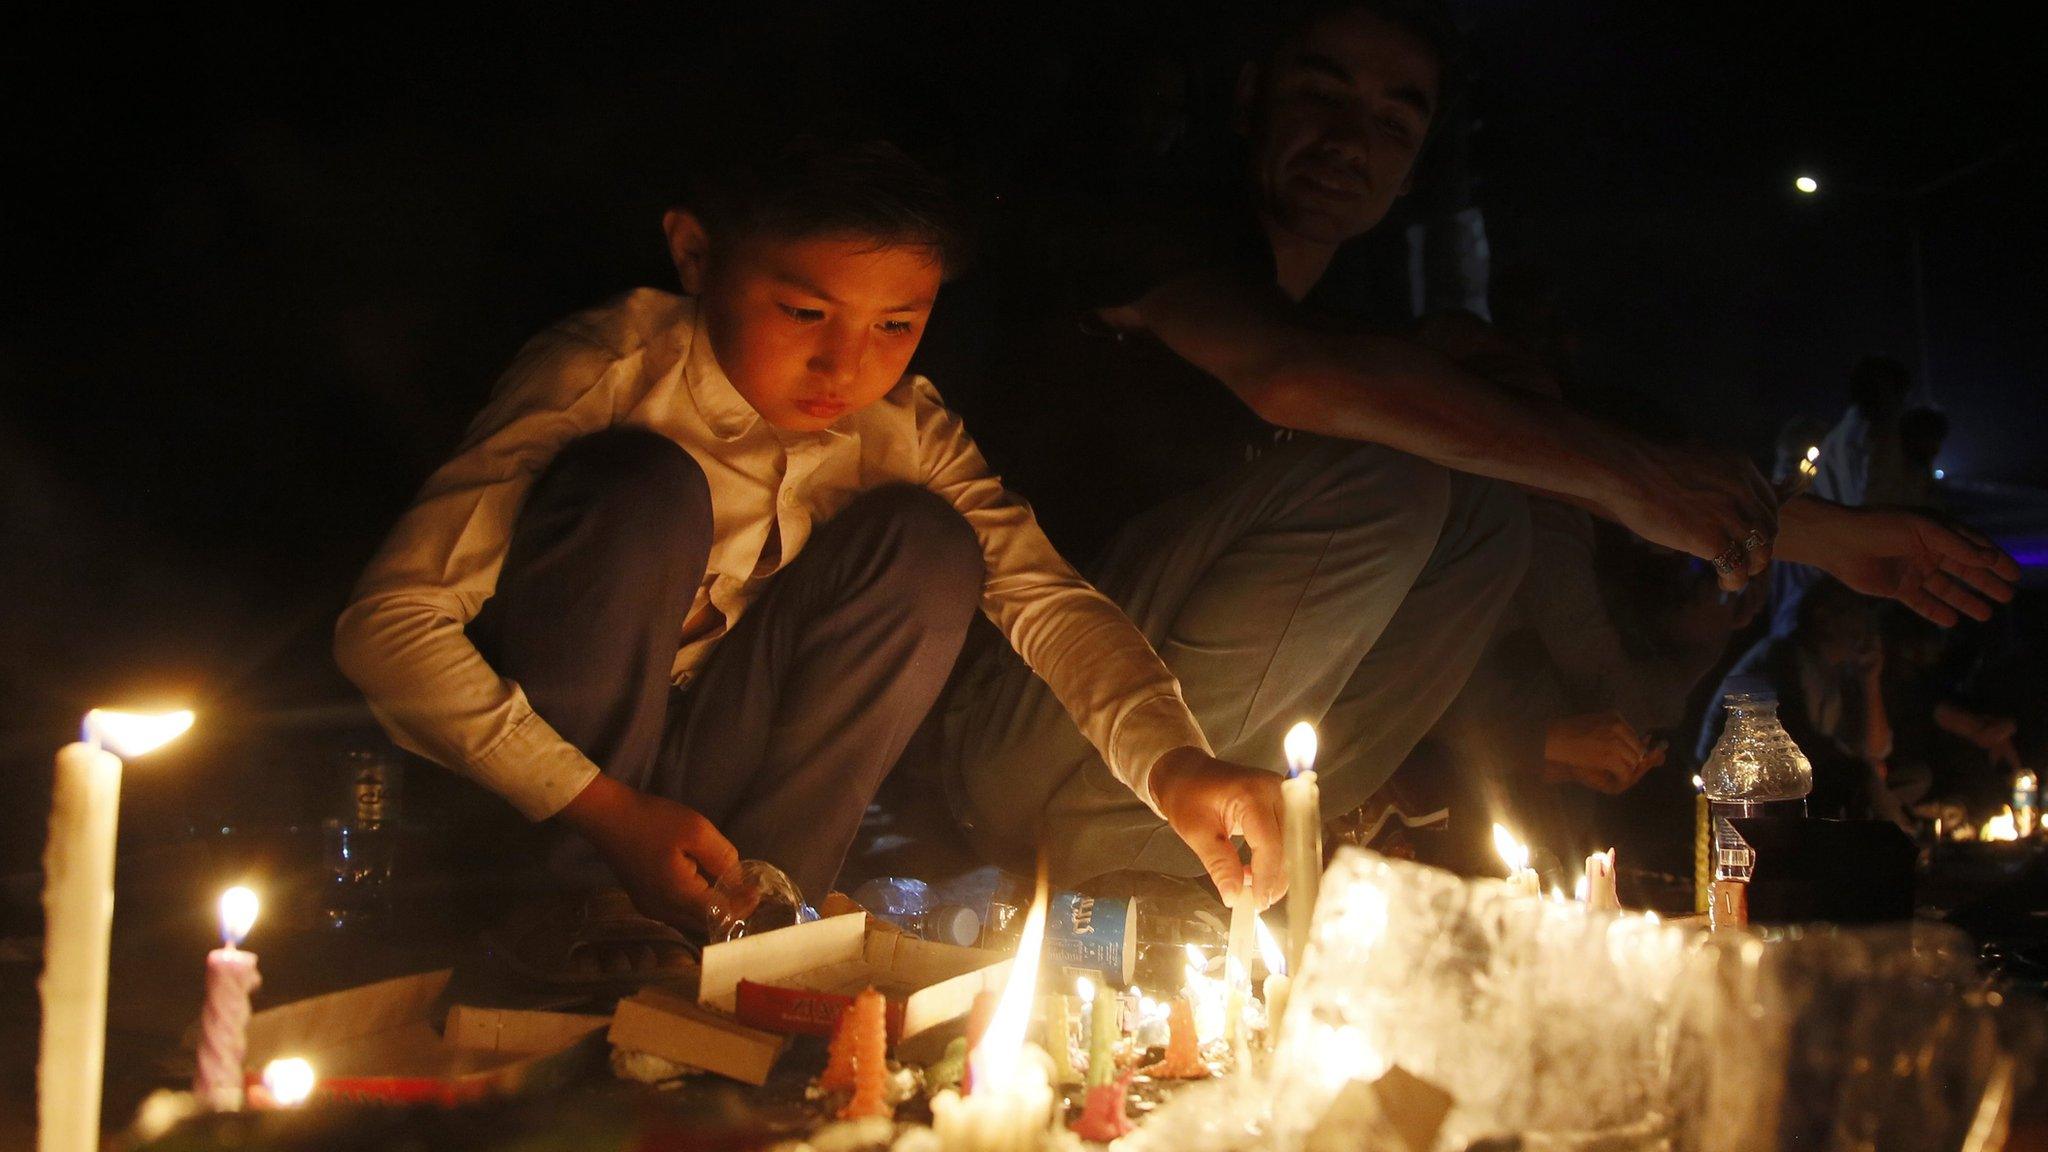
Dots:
pixel 1704 502
pixel 1939 569
pixel 1207 801
pixel 665 855
pixel 1601 751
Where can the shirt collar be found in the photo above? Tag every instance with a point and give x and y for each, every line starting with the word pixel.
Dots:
pixel 724 410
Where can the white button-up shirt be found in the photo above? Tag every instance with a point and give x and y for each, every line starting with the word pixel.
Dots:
pixel 644 361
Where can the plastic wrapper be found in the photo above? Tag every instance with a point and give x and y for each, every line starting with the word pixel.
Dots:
pixel 754 897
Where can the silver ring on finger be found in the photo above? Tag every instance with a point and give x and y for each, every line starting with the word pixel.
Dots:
pixel 1754 540
pixel 1729 562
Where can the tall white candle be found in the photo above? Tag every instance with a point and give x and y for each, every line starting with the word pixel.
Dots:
pixel 78 914
pixel 78 922
pixel 1302 833
pixel 224 1020
pixel 1237 965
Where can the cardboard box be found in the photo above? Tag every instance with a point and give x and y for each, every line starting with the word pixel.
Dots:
pixel 378 1043
pixel 800 979
pixel 667 1023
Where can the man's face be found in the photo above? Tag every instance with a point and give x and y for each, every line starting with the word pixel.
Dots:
pixel 1338 118
pixel 808 330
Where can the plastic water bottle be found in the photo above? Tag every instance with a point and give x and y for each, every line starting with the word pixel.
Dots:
pixel 1134 928
pixel 361 848
pixel 1755 771
pixel 911 906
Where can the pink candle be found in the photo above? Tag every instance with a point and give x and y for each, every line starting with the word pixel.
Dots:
pixel 230 977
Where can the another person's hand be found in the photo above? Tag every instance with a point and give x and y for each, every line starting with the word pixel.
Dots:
pixel 1939 569
pixel 1602 751
pixel 666 856
pixel 1704 502
pixel 1207 801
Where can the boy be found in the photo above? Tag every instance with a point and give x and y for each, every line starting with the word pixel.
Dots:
pixel 703 564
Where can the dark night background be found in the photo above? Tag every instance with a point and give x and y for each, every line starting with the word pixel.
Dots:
pixel 261 271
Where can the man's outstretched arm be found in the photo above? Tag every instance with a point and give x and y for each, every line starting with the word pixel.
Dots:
pixel 1392 391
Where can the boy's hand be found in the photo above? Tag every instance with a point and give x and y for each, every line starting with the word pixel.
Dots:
pixel 666 856
pixel 1207 801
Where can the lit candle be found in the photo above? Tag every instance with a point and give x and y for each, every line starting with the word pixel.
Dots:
pixel 2026 803
pixel 78 918
pixel 1522 879
pixel 288 1082
pixel 1010 1109
pixel 1601 892
pixel 1302 835
pixel 224 1021
pixel 1702 847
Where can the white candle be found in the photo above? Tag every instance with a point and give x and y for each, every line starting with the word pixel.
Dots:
pixel 78 918
pixel 1600 890
pixel 1010 1108
pixel 1013 1116
pixel 224 1021
pixel 1522 879
pixel 1237 965
pixel 1302 834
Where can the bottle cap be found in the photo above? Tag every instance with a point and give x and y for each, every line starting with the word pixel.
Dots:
pixel 953 924
pixel 1748 689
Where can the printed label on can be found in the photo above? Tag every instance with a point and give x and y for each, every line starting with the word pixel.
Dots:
pixel 1083 932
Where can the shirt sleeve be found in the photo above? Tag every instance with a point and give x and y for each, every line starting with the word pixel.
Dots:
pixel 403 641
pixel 1097 663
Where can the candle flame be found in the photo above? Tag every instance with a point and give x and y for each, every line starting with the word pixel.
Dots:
pixel 1652 918
pixel 1085 989
pixel 1270 951
pixel 237 915
pixel 1300 746
pixel 289 1081
pixel 1513 852
pixel 132 734
pixel 2001 827
pixel 2026 782
pixel 995 1058
pixel 1699 785
pixel 1583 890
pixel 1813 453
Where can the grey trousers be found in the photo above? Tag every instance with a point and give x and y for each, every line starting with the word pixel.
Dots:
pixel 1341 583
pixel 789 728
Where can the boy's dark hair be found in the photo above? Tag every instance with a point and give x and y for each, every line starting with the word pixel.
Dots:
pixel 828 184
pixel 1879 384
pixel 1429 21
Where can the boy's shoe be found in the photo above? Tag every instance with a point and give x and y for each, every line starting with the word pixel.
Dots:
pixel 590 939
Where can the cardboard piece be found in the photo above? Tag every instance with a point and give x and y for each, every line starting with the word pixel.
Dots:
pixel 378 1043
pixel 799 979
pixel 666 1023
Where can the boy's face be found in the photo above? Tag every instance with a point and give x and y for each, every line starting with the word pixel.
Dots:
pixel 811 329
pixel 1337 118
